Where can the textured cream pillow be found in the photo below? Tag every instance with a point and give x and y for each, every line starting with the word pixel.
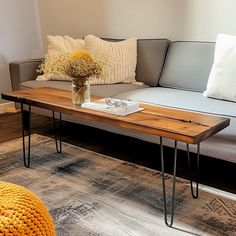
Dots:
pixel 63 44
pixel 119 59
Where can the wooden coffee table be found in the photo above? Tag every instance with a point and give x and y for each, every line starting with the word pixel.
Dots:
pixel 174 124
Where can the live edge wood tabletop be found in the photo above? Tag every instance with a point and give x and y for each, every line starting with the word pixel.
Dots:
pixel 176 124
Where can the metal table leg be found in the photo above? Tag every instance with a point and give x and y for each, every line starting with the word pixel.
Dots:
pixel 58 147
pixel 26 123
pixel 170 223
pixel 194 195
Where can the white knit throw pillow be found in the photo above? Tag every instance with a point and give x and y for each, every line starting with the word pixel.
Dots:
pixel 119 59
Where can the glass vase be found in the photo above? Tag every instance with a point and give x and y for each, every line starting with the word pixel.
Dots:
pixel 80 91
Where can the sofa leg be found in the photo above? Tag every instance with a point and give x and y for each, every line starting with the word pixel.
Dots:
pixel 57 136
pixel 26 125
pixel 170 223
pixel 194 195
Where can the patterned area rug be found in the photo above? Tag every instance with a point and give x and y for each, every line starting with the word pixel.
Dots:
pixel 92 194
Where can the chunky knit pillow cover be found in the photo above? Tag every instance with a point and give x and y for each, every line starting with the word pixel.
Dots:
pixel 22 213
pixel 119 59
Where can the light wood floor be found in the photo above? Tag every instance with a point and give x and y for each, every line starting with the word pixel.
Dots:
pixel 216 173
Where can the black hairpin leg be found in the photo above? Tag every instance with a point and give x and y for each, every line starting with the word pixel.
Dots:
pixel 194 195
pixel 26 120
pixel 170 223
pixel 57 136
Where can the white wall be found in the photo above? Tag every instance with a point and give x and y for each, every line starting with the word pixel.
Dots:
pixel 112 18
pixel 144 19
pixel 204 19
pixel 173 19
pixel 19 35
pixel 75 18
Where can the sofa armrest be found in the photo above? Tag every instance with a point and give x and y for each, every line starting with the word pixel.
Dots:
pixel 24 70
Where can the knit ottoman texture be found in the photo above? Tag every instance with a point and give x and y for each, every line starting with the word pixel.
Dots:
pixel 22 212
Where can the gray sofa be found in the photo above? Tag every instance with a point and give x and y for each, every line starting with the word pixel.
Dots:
pixel 174 74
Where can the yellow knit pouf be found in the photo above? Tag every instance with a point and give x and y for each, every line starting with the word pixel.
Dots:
pixel 22 212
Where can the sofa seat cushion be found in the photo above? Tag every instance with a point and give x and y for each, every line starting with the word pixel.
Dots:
pixel 96 90
pixel 187 100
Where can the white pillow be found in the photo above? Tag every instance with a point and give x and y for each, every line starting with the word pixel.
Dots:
pixel 60 45
pixel 222 80
pixel 63 44
pixel 119 59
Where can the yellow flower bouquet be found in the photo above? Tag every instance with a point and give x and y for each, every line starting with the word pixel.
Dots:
pixel 79 66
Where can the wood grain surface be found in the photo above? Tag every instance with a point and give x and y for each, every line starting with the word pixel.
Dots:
pixel 180 125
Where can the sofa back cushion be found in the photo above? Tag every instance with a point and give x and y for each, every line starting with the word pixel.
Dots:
pixel 151 58
pixel 188 65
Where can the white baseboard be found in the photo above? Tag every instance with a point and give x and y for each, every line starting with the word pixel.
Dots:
pixel 6 106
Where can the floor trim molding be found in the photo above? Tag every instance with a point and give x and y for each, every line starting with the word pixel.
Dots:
pixel 7 107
